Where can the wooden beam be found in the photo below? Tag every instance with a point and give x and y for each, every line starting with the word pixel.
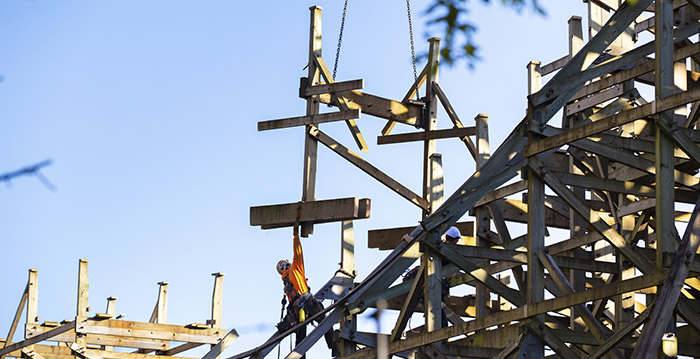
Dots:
pixel 333 87
pixel 18 315
pixel 666 299
pixel 591 217
pixel 131 329
pixel 308 120
pixel 368 168
pixel 38 338
pixel 390 238
pixel 332 210
pixel 407 113
pixel 607 123
pixel 219 348
pixel 409 305
pixel 422 136
pixel 448 252
pixel 342 103
pixel 520 313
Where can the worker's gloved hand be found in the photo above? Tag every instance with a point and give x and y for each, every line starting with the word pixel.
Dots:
pixel 283 325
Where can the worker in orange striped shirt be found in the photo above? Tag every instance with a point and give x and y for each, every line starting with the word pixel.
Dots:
pixel 302 303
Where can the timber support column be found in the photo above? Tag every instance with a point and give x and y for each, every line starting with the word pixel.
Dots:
pixel 431 261
pixel 577 225
pixel 83 308
pixel 533 347
pixel 310 142
pixel 347 271
pixel 483 218
pixel 32 300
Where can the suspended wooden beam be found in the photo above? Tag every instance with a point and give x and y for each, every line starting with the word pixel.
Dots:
pixel 286 215
pixel 422 136
pixel 308 120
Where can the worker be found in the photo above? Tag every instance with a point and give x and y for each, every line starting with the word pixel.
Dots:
pixel 302 303
pixel 452 235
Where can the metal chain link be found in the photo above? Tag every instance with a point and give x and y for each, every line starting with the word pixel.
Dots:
pixel 413 48
pixel 340 39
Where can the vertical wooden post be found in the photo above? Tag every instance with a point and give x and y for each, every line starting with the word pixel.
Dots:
pixel 535 223
pixel 217 300
pixel 32 298
pixel 663 76
pixel 430 117
pixel 437 182
pixel 483 218
pixel 577 226
pixel 162 303
pixel 83 307
pixel 312 103
pixel 664 86
pixel 347 266
pixel 111 306
pixel 431 262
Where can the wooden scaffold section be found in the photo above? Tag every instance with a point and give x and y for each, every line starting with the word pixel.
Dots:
pixel 105 335
pixel 604 265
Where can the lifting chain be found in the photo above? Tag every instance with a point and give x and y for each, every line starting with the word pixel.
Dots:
pixel 413 48
pixel 340 39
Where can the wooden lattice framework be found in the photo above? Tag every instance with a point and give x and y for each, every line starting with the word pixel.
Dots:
pixel 106 335
pixel 613 275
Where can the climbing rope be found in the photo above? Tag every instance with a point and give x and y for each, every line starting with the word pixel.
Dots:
pixel 413 48
pixel 340 39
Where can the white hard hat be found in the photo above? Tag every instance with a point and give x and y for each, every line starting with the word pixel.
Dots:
pixel 453 232
pixel 282 266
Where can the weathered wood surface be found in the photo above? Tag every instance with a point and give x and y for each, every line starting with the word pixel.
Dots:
pixel 332 210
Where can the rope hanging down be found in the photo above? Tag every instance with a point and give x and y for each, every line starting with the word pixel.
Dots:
pixel 340 39
pixel 413 48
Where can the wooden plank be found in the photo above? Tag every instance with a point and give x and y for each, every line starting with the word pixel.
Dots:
pixel 408 97
pixel 130 329
pixel 591 217
pixel 82 307
pixel 619 335
pixel 452 114
pixel 38 338
pixel 607 123
pixel 334 87
pixel 407 113
pixel 308 120
pixel 308 191
pixel 390 238
pixel 642 67
pixel 106 354
pixel 32 298
pixel 554 65
pixel 369 169
pixel 18 315
pixel 409 305
pixel 422 136
pixel 502 192
pixel 594 326
pixel 494 254
pixel 594 100
pixel 342 103
pixel 520 313
pixel 448 252
pixel 145 345
pixel 666 299
pixel 219 348
pixel 332 210
pixel 217 300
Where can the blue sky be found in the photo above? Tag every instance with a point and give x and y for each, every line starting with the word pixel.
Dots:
pixel 149 111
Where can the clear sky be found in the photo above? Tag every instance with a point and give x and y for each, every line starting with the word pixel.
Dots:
pixel 149 111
